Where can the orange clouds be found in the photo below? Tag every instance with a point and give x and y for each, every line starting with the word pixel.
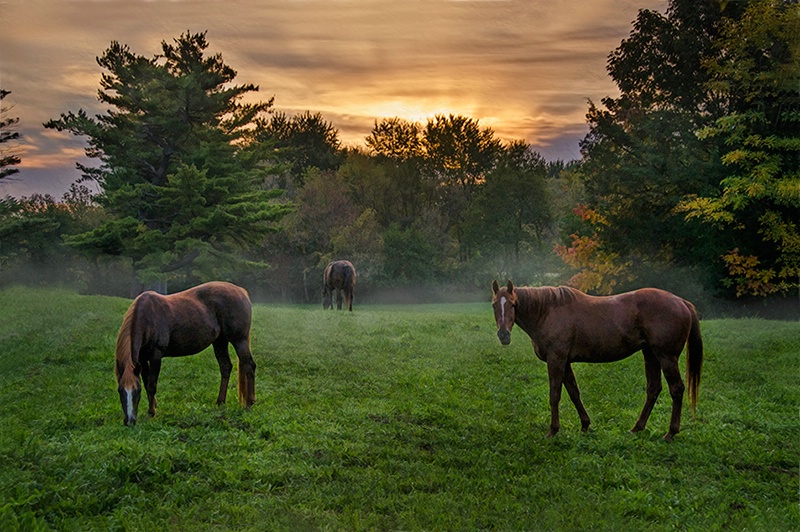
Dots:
pixel 524 68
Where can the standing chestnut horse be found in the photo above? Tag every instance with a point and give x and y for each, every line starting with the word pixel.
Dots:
pixel 568 326
pixel 181 324
pixel 339 276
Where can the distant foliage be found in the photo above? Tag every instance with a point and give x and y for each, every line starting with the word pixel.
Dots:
pixel 303 142
pixel 32 247
pixel 689 179
pixel 600 271
pixel 191 178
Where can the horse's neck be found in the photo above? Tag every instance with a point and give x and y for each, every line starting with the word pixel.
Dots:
pixel 533 305
pixel 151 321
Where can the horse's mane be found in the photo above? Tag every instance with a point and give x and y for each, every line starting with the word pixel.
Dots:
pixel 533 302
pixel 123 354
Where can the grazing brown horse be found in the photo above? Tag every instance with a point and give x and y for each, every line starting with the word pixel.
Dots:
pixel 339 277
pixel 568 326
pixel 181 324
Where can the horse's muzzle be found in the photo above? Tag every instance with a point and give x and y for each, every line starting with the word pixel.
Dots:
pixel 504 336
pixel 130 405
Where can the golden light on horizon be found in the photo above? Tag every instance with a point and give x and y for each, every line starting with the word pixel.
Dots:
pixel 524 68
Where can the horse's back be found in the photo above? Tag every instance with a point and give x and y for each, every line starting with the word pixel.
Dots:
pixel 200 315
pixel 654 304
pixel 220 294
pixel 607 328
pixel 340 274
pixel 644 302
pixel 230 304
pixel 661 317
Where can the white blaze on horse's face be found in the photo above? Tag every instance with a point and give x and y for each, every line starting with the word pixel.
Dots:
pixel 129 397
pixel 129 407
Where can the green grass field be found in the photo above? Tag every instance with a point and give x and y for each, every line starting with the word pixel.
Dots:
pixel 392 417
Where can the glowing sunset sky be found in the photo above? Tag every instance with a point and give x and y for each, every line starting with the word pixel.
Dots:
pixel 525 68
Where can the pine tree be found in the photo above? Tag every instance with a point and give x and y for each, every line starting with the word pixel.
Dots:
pixel 181 172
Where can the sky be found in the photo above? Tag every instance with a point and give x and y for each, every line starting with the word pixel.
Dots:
pixel 525 68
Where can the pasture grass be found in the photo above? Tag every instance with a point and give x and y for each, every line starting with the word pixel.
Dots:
pixel 390 417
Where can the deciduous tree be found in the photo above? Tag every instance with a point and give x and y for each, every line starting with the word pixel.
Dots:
pixel 641 156
pixel 396 145
pixel 304 141
pixel 757 73
pixel 458 156
pixel 512 208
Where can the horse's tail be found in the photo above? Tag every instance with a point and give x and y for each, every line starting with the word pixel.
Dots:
pixel 349 284
pixel 247 373
pixel 247 382
pixel 694 357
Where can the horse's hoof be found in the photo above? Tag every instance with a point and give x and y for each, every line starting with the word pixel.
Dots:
pixel 668 436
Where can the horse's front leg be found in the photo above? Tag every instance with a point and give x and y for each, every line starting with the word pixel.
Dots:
pixel 150 371
pixel 327 298
pixel 574 393
pixel 556 368
pixel 225 367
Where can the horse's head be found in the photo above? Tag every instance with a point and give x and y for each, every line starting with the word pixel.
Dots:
pixel 130 391
pixel 504 304
pixel 327 299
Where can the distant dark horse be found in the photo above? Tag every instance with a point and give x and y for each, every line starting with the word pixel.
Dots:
pixel 568 326
pixel 181 324
pixel 339 276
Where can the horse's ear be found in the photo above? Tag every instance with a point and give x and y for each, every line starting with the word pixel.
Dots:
pixel 510 287
pixel 495 286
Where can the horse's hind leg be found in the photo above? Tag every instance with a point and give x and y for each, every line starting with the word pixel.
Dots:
pixel 339 297
pixel 669 365
pixel 225 366
pixel 652 370
pixel 247 372
pixel 574 393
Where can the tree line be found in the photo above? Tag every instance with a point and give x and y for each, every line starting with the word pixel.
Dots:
pixel 689 179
